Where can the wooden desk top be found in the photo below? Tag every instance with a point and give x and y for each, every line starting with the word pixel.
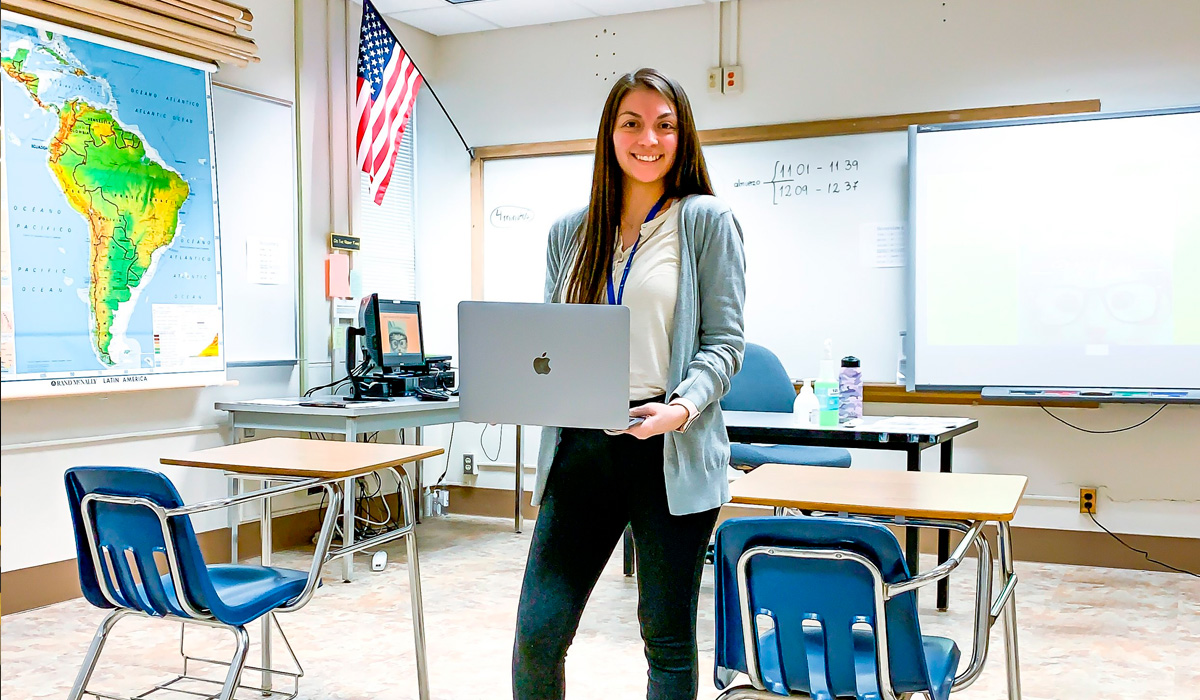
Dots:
pixel 282 456
pixel 911 494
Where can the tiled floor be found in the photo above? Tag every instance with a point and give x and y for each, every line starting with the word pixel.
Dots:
pixel 1084 632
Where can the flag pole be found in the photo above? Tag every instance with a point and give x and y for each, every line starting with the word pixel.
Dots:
pixel 470 151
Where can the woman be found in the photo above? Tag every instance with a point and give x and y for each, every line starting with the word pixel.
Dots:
pixel 654 239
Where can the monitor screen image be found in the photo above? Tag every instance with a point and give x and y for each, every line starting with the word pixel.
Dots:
pixel 402 334
pixel 392 333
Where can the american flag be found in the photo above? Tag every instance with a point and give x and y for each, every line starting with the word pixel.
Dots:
pixel 387 86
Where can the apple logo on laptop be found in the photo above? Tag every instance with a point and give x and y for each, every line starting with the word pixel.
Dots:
pixel 541 365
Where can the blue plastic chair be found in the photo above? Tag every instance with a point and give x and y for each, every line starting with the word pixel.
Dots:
pixel 125 517
pixel 764 385
pixel 829 608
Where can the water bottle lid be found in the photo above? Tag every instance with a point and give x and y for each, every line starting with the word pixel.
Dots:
pixel 850 361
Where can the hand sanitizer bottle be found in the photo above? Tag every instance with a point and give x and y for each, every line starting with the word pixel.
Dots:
pixel 805 405
pixel 826 389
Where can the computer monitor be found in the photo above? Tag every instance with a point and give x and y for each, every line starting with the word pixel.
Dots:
pixel 393 336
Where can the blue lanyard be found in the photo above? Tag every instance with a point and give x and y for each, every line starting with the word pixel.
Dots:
pixel 616 298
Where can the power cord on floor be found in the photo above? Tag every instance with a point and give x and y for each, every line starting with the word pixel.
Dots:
pixel 1091 514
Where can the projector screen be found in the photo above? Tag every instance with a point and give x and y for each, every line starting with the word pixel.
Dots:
pixel 1059 252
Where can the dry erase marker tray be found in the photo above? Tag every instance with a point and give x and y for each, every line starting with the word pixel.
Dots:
pixel 1104 395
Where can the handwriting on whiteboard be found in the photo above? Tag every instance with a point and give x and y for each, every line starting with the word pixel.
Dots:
pixel 798 180
pixel 507 216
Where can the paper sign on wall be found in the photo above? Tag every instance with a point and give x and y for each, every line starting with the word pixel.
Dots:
pixel 264 260
pixel 882 245
pixel 337 275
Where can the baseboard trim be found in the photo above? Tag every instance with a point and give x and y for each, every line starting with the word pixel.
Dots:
pixel 495 503
pixel 38 586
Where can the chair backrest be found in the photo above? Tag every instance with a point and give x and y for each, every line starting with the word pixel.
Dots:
pixel 761 385
pixel 127 536
pixel 837 593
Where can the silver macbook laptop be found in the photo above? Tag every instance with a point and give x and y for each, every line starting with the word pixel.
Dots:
pixel 561 365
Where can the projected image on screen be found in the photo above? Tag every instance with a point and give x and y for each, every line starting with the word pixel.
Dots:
pixel 1057 253
pixel 1083 298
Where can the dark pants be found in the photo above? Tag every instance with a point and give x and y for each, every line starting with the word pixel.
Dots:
pixel 598 484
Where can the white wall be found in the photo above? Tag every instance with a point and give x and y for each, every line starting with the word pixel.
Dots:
pixel 802 61
pixel 817 60
pixel 35 512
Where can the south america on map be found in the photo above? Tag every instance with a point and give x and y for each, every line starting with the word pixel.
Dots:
pixel 111 265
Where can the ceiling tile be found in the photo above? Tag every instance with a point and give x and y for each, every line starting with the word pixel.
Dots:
pixel 519 13
pixel 444 20
pixel 622 7
pixel 441 18
pixel 391 7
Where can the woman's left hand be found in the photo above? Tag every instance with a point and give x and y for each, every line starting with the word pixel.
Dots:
pixel 659 418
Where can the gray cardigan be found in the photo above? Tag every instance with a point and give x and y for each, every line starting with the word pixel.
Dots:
pixel 706 346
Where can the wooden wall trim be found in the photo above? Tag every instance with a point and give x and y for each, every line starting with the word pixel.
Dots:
pixel 528 150
pixel 743 134
pixel 802 130
pixel 894 393
pixel 1030 544
pixel 892 122
pixel 882 392
pixel 477 220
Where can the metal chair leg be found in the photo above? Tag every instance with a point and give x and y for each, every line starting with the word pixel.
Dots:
pixel 1012 656
pixel 93 653
pixel 233 678
pixel 414 585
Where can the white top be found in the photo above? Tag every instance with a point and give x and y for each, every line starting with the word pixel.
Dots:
pixel 650 294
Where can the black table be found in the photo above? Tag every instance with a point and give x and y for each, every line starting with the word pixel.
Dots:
pixel 908 434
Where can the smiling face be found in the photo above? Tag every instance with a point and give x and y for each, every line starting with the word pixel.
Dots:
pixel 645 136
pixel 646 146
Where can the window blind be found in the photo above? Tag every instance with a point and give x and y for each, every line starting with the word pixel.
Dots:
pixel 387 232
pixel 204 30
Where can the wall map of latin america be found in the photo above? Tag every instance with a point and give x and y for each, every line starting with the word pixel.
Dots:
pixel 111 265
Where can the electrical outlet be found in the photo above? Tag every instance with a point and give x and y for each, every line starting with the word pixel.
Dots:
pixel 1087 500
pixel 714 79
pixel 248 432
pixel 468 464
pixel 732 80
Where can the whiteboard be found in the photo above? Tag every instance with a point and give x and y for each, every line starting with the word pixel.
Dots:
pixel 823 224
pixel 256 187
pixel 1058 252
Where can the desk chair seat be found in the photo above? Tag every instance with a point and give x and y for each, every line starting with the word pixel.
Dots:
pixel 247 591
pixel 811 595
pixel 128 520
pixel 763 385
pixel 746 456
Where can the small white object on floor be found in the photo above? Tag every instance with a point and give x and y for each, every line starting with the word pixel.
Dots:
pixel 378 561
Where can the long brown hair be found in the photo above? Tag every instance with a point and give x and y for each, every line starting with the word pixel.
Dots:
pixel 688 175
